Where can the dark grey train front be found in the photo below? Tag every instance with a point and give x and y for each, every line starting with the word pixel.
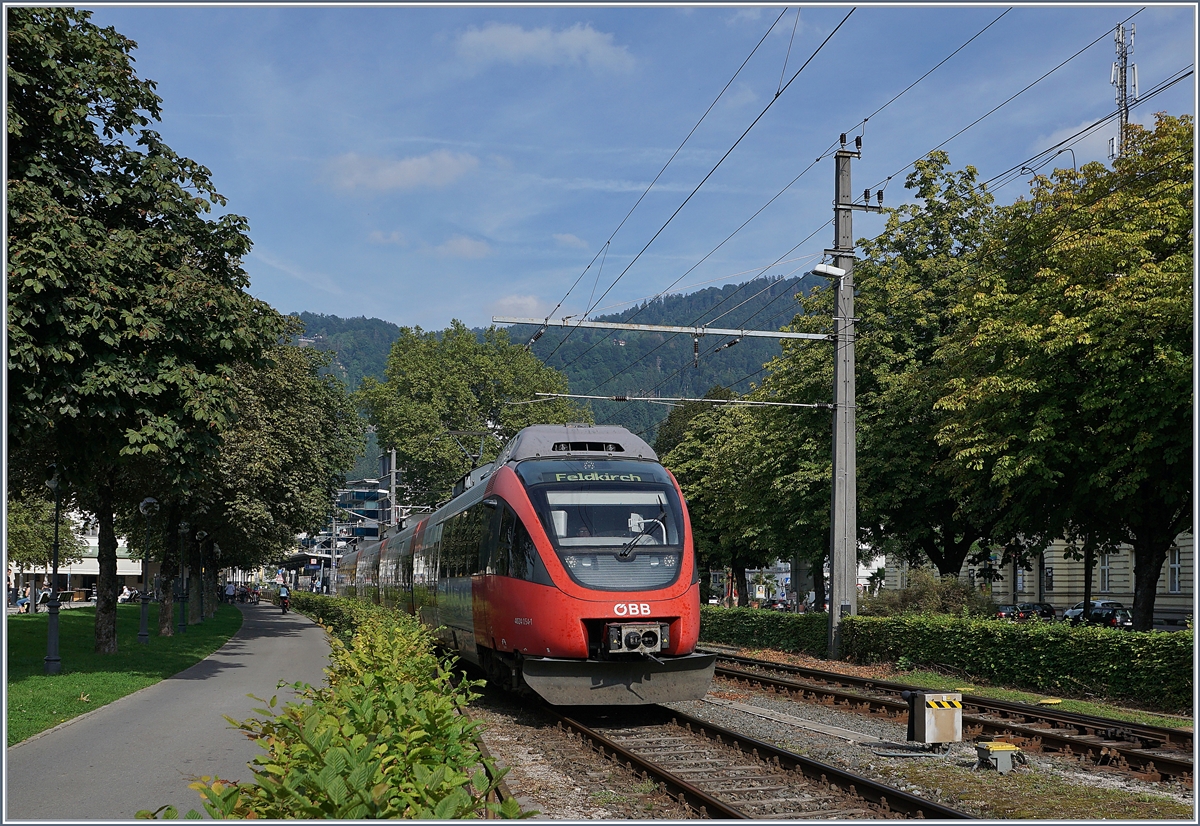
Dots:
pixel 565 566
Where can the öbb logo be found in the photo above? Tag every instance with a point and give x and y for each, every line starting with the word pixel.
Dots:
pixel 632 609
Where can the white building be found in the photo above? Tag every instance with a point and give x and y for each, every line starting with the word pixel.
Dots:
pixel 1059 580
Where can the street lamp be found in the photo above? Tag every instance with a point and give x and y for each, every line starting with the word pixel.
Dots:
pixel 182 591
pixel 53 661
pixel 148 507
pixel 200 536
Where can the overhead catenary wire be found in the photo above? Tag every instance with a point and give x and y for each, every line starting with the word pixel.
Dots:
pixel 729 151
pixel 664 168
pixel 747 402
pixel 980 119
pixel 794 180
pixel 1176 77
pixel 637 361
pixel 1006 101
pixel 967 264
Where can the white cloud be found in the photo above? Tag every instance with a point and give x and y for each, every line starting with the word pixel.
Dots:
pixel 393 237
pixel 317 280
pixel 461 246
pixel 566 239
pixel 748 15
pixel 509 43
pixel 740 95
pixel 438 168
pixel 521 306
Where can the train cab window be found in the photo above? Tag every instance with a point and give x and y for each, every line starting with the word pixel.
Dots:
pixel 616 525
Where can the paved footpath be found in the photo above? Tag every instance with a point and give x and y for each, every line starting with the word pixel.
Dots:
pixel 140 752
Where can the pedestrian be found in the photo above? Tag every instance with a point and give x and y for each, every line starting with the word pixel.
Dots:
pixel 229 588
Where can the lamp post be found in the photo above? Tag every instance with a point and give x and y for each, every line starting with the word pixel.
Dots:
pixel 182 591
pixel 53 661
pixel 148 507
pixel 200 536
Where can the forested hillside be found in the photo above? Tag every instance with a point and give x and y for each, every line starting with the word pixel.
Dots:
pixel 608 363
pixel 360 345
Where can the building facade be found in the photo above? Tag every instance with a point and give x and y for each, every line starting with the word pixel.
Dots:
pixel 1059 580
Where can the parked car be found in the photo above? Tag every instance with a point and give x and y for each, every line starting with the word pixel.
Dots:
pixel 1113 618
pixel 1074 615
pixel 1011 612
pixel 1040 610
pixel 776 605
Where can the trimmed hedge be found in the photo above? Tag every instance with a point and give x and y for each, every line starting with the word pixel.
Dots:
pixel 1153 668
pixel 757 628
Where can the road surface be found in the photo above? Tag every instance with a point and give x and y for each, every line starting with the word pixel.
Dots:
pixel 140 752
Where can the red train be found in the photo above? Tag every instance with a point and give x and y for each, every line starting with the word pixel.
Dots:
pixel 566 566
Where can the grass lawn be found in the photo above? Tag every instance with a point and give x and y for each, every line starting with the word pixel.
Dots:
pixel 89 680
pixel 1098 708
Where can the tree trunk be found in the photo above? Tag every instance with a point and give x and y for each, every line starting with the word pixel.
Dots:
pixel 739 573
pixel 167 573
pixel 1089 559
pixel 195 580
pixel 1148 557
pixel 1152 540
pixel 106 584
pixel 818 575
pixel 213 597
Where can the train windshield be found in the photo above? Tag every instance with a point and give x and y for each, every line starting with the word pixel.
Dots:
pixel 615 524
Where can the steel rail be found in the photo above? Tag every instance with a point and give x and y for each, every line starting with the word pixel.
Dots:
pixel 1160 735
pixel 886 799
pixel 678 788
pixel 1098 743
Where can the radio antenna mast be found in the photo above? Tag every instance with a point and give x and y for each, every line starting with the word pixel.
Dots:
pixel 1120 79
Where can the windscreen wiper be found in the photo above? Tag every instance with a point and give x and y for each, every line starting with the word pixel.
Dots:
pixel 627 548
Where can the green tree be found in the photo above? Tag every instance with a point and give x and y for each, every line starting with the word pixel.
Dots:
pixel 282 460
pixel 671 431
pixel 908 279
pixel 126 305
pixel 1071 395
pixel 29 538
pixel 448 396
pixel 736 522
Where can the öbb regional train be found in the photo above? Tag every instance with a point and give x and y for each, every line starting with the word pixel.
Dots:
pixel 565 566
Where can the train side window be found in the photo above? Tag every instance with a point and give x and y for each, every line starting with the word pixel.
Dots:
pixel 477 538
pixel 502 548
pixel 525 562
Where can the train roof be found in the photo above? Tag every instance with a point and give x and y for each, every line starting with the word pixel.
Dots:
pixel 547 441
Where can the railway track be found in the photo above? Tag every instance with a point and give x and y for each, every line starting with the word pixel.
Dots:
pixel 1150 753
pixel 723 774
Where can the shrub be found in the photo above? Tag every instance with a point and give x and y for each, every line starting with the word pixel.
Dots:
pixel 385 739
pixel 928 593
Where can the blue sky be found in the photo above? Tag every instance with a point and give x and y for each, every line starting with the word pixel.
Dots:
pixel 420 164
